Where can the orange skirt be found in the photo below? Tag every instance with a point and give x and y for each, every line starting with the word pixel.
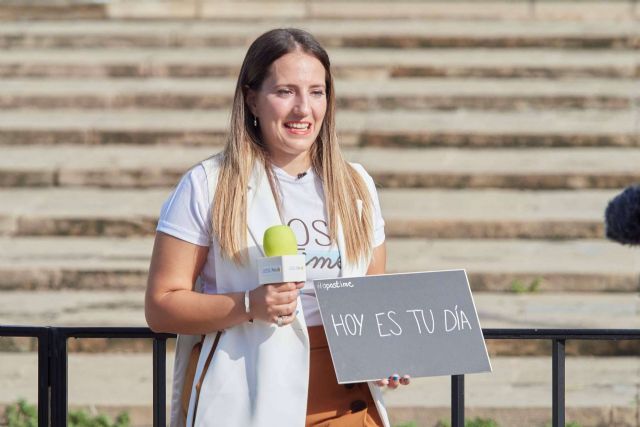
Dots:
pixel 330 404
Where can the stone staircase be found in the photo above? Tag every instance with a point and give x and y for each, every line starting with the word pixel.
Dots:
pixel 497 131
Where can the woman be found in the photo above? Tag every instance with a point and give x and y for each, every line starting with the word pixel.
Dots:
pixel 264 359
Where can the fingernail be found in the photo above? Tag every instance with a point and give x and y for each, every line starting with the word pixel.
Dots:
pixel 396 377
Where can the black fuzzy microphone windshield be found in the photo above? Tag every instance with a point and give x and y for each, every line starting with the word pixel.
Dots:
pixel 622 217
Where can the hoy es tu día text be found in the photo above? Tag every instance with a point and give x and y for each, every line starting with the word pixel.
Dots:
pixel 388 322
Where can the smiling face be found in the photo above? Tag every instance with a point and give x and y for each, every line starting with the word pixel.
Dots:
pixel 290 107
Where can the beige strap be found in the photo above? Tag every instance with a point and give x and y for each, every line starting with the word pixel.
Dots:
pixel 204 373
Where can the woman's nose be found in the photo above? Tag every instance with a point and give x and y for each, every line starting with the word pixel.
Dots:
pixel 302 106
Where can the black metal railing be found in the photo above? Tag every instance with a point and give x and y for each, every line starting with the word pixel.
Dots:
pixel 52 365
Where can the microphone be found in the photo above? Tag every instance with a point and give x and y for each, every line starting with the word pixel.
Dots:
pixel 282 262
pixel 622 217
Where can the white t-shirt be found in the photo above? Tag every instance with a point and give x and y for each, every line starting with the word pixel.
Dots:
pixel 186 214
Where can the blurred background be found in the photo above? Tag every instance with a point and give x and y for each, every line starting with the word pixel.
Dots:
pixel 497 132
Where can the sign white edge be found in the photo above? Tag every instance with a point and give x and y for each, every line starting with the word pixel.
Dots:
pixel 484 343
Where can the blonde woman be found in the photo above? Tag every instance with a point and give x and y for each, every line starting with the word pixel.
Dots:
pixel 264 359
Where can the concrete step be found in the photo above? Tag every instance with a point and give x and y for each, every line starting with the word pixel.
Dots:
pixel 131 166
pixel 370 63
pixel 401 93
pixel 622 10
pixel 47 10
pixel 255 10
pixel 492 265
pixel 599 391
pixel 467 214
pixel 391 128
pixel 332 33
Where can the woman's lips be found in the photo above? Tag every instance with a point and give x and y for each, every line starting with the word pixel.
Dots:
pixel 297 129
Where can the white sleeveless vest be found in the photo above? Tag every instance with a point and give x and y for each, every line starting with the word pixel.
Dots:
pixel 259 373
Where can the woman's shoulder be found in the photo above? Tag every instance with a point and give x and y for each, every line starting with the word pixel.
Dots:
pixel 359 168
pixel 211 165
pixel 363 173
pixel 197 180
pixel 205 172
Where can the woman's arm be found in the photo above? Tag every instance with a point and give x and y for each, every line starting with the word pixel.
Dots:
pixel 172 306
pixel 170 303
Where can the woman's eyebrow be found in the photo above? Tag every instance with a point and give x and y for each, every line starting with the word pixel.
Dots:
pixel 319 85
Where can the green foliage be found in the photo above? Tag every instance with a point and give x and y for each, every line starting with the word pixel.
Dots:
pixel 82 419
pixel 481 422
pixel 519 287
pixel 569 424
pixel 475 422
pixel 23 414
pixel 408 424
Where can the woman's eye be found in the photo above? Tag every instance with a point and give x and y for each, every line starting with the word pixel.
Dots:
pixel 318 93
pixel 284 91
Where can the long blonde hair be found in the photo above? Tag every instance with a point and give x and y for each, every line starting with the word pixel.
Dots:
pixel 342 184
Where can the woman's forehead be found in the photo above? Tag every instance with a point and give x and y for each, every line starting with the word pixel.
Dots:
pixel 297 68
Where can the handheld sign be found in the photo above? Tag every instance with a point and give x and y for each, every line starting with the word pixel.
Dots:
pixel 420 324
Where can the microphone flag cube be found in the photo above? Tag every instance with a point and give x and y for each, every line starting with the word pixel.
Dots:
pixel 282 262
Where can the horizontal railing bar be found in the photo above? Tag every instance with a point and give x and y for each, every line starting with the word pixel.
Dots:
pixel 85 331
pixel 22 331
pixel 490 333
pixel 111 333
pixel 551 334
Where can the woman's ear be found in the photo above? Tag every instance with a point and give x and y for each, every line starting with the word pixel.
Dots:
pixel 250 99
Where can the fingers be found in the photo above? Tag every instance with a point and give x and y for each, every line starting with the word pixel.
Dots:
pixel 283 301
pixel 284 309
pixel 283 293
pixel 405 380
pixel 276 303
pixel 282 298
pixel 394 381
pixel 284 320
pixel 285 286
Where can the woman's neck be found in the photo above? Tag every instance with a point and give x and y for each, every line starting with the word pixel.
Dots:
pixel 293 166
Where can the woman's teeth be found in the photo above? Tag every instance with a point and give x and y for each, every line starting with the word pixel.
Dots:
pixel 298 125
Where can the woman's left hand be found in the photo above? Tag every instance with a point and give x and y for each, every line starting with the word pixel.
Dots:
pixel 394 381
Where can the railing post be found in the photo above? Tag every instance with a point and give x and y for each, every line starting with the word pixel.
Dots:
pixel 44 353
pixel 159 381
pixel 58 375
pixel 457 400
pixel 558 362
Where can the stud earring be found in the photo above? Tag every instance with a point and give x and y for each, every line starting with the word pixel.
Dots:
pixel 255 121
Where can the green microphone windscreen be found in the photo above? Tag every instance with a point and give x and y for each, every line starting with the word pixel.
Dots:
pixel 279 240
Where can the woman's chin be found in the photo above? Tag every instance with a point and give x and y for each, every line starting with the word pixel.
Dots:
pixel 298 144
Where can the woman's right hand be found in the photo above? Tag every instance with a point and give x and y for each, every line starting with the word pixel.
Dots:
pixel 268 302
